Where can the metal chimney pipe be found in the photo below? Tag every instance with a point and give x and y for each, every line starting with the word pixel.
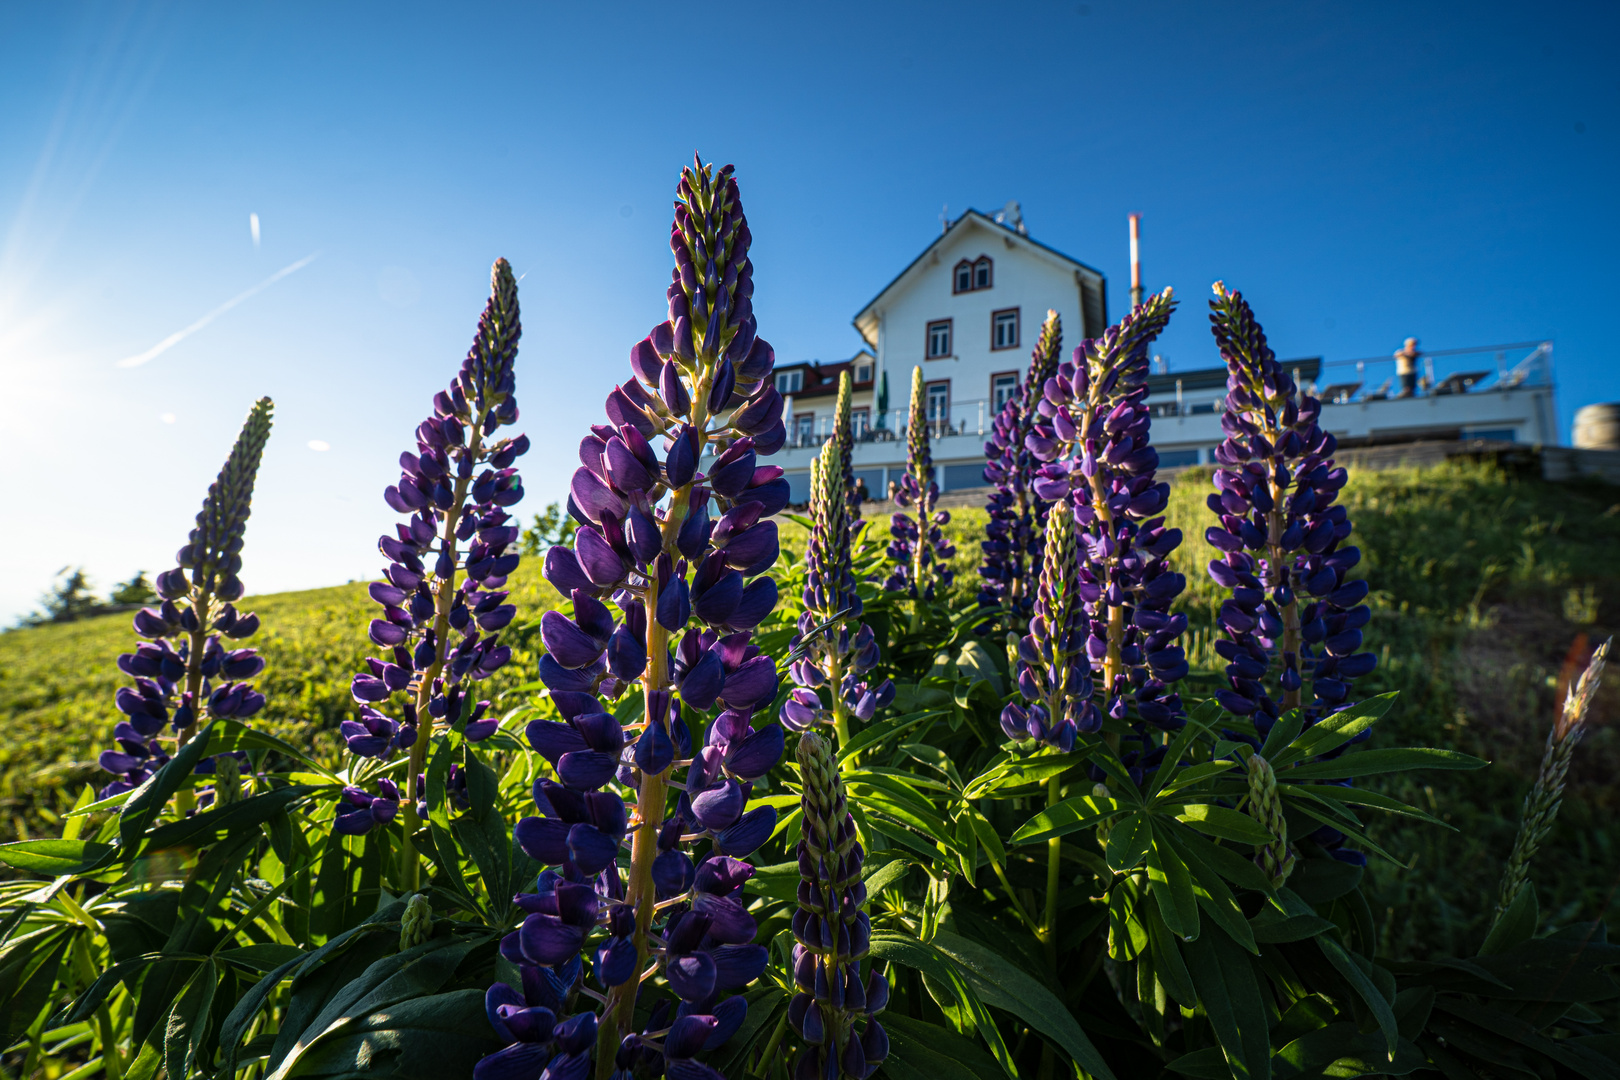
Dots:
pixel 1136 260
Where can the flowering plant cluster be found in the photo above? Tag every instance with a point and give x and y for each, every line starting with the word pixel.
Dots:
pixel 688 590
pixel 175 669
pixel 1094 440
pixel 603 888
pixel 838 649
pixel 1012 540
pixel 920 549
pixel 1292 617
pixel 442 597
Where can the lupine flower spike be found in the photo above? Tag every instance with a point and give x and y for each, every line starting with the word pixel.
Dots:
pixel 920 551
pixel 1054 673
pixel 1541 805
pixel 835 1010
pixel 1012 545
pixel 840 650
pixel 1292 617
pixel 442 597
pixel 1094 437
pixel 175 685
pixel 674 575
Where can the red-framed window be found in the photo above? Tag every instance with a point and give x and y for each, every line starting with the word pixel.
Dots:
pixel 1004 329
pixel 970 275
pixel 939 339
pixel 1003 388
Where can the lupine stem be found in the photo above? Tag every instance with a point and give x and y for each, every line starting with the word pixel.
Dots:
pixel 1054 858
pixel 835 679
pixel 409 863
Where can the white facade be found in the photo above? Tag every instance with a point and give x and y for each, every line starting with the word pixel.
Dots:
pixel 968 310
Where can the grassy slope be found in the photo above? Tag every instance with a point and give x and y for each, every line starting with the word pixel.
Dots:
pixel 1473 571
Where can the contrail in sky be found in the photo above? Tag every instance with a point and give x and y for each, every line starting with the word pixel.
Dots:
pixel 180 335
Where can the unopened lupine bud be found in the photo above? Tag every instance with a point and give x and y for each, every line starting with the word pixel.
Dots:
pixel 227 780
pixel 416 925
pixel 1276 859
pixel 839 649
pixel 835 1009
pixel 920 550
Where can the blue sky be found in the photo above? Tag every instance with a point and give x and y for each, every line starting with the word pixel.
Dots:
pixel 1362 172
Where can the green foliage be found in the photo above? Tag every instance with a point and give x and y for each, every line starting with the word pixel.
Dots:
pixel 1032 920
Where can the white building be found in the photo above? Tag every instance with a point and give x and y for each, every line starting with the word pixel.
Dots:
pixel 969 308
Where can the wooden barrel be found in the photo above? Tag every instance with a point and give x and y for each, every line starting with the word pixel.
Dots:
pixel 1597 427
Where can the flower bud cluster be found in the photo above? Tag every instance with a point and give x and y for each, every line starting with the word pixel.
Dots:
pixel 666 578
pixel 920 551
pixel 1054 672
pixel 184 673
pixel 455 488
pixel 833 933
pixel 1265 806
pixel 1012 545
pixel 1292 617
pixel 839 649
pixel 1093 435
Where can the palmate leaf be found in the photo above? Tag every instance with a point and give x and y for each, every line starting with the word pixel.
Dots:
pixel 1198 721
pixel 1019 772
pixel 1070 815
pixel 1332 731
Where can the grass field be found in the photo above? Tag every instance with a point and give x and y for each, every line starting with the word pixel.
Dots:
pixel 1482 581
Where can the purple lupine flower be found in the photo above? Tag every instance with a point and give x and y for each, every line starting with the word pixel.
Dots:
pixel 920 551
pixel 1054 670
pixel 1094 438
pixel 1013 545
pixel 442 596
pixel 833 933
pixel 666 579
pixel 361 811
pixel 839 649
pixel 183 674
pixel 1292 618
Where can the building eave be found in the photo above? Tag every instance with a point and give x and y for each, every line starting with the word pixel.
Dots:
pixel 865 321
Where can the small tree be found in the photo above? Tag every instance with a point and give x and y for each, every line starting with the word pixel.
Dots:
pixel 137 590
pixel 70 598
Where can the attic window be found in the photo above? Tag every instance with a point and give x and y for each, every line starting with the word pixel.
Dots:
pixel 863 372
pixel 789 382
pixel 971 275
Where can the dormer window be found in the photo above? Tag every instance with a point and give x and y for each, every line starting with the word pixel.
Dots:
pixel 971 275
pixel 790 382
pixel 863 372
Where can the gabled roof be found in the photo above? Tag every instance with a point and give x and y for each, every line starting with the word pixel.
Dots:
pixel 821 379
pixel 969 219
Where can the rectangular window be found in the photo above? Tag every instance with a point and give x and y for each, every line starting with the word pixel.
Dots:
pixel 860 422
pixel 964 277
pixel 804 428
pixel 789 382
pixel 981 273
pixel 939 405
pixel 939 339
pixel 863 372
pixel 1003 388
pixel 1004 329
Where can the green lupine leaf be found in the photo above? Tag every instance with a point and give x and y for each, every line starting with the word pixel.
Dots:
pixel 923 1051
pixel 1516 925
pixel 1004 985
pixel 1378 762
pixel 1363 797
pixel 880 733
pixel 153 795
pixel 1171 885
pixel 1070 815
pixel 1211 892
pixel 54 857
pixel 1016 773
pixel 1128 842
pixel 1229 988
pixel 1197 724
pixel 1333 731
pixel 1222 823
pixel 1347 967
pixel 928 959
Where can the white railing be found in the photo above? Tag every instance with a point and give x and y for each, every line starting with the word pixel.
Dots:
pixel 961 419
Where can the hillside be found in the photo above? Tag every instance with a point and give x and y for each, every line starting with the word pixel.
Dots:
pixel 1481 583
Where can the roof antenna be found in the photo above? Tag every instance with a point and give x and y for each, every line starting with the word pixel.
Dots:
pixel 944 219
